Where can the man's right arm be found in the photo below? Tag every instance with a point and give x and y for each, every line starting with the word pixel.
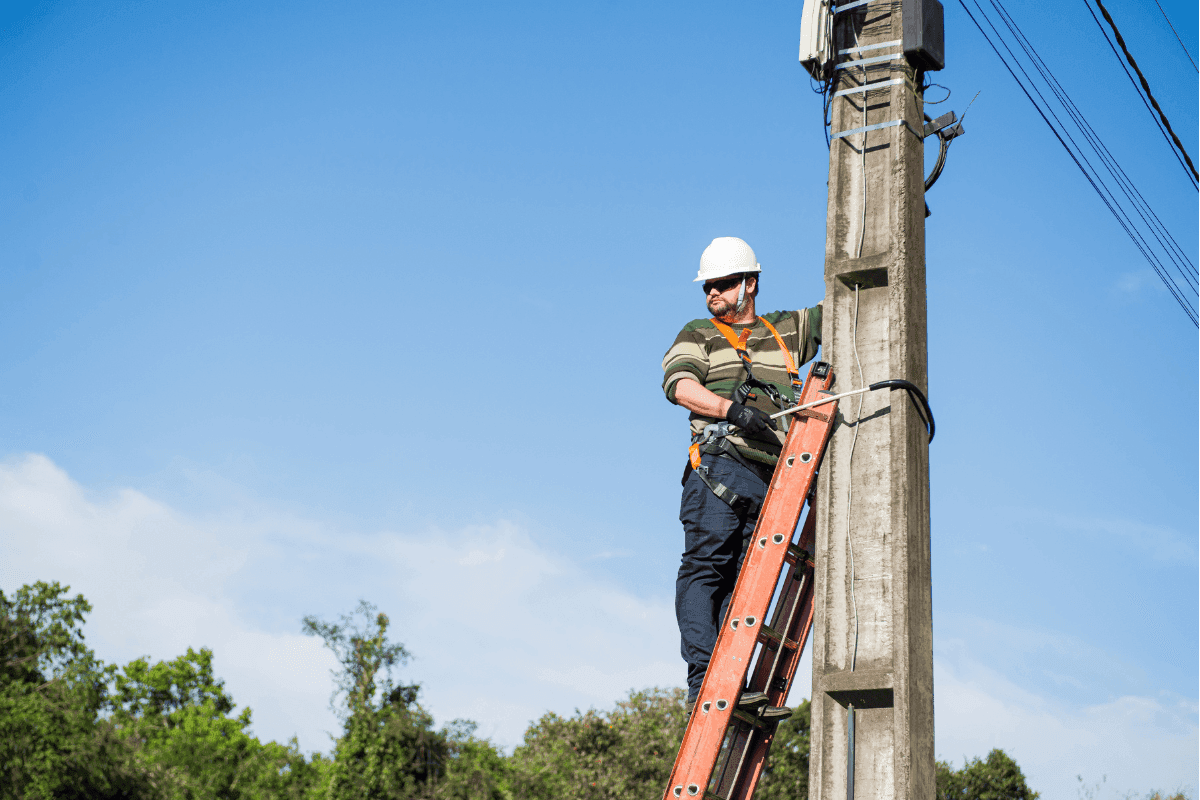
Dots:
pixel 695 398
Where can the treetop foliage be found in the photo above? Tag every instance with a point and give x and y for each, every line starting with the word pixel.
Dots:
pixel 995 778
pixel 359 641
pixel 73 727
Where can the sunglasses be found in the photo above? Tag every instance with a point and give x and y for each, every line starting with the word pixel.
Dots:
pixel 724 284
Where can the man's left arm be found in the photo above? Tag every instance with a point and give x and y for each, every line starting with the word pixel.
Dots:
pixel 808 326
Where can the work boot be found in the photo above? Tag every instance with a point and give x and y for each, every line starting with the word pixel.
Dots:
pixel 752 700
pixel 690 707
pixel 775 713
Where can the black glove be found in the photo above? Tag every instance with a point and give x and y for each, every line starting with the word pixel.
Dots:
pixel 749 419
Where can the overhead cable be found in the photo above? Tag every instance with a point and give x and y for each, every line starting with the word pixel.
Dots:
pixel 1158 124
pixel 1185 296
pixel 1182 262
pixel 1146 87
pixel 1181 44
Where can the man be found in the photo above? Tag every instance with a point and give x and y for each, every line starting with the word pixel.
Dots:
pixel 731 372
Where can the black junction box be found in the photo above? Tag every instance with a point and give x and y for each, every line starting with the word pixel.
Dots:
pixel 924 34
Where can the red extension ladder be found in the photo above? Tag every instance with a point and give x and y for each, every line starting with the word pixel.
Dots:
pixel 725 747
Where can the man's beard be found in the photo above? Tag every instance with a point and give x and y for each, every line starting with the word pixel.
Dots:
pixel 719 307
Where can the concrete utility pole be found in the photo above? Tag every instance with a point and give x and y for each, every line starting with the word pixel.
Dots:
pixel 872 570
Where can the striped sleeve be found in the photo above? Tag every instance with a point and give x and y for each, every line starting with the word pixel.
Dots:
pixel 687 358
pixel 809 326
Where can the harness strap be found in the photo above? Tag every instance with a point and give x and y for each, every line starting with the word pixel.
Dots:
pixel 721 446
pixel 739 504
pixel 715 442
pixel 738 343
pixel 792 372
pixel 739 346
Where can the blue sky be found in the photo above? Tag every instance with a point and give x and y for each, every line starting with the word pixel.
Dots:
pixel 305 303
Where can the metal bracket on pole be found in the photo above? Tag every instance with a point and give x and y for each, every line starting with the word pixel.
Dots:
pixel 941 123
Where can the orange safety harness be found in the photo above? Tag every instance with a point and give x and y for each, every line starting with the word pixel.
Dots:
pixel 738 343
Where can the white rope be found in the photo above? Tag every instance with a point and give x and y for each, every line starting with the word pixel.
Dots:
pixel 862 228
pixel 850 481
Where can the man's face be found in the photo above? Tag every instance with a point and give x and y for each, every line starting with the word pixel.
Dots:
pixel 722 294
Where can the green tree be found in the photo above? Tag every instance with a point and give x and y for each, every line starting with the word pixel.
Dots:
pixel 995 778
pixel 389 748
pixel 474 768
pixel 53 742
pixel 180 717
pixel 624 753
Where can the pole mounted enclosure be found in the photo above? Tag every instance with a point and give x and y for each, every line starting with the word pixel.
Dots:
pixel 872 635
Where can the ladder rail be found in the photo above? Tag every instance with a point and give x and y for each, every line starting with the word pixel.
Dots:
pixel 797 599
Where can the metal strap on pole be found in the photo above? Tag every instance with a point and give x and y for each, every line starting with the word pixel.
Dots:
pixel 865 47
pixel 877 126
pixel 866 87
pixel 848 6
pixel 862 62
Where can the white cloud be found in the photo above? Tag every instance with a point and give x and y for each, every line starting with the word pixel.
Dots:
pixel 1158 542
pixel 1131 283
pixel 501 628
pixel 158 584
pixel 1131 743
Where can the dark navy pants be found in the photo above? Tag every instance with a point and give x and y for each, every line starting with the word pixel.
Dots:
pixel 715 540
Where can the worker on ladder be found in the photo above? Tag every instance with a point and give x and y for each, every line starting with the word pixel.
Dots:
pixel 731 371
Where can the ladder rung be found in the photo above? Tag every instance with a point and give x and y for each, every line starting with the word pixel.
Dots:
pixel 767 632
pixel 795 554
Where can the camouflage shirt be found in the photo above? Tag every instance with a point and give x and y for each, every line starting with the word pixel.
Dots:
pixel 702 353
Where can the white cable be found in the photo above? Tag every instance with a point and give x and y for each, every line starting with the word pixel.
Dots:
pixel 850 476
pixel 831 398
pixel 862 227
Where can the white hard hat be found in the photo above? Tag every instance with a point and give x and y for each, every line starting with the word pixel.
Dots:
pixel 727 255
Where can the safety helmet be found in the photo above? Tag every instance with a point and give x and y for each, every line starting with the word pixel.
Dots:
pixel 727 255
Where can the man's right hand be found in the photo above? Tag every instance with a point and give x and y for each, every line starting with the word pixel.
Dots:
pixel 749 419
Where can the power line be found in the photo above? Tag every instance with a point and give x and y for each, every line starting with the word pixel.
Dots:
pixel 1029 88
pixel 1181 44
pixel 1181 260
pixel 1138 92
pixel 1146 87
pixel 1106 194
